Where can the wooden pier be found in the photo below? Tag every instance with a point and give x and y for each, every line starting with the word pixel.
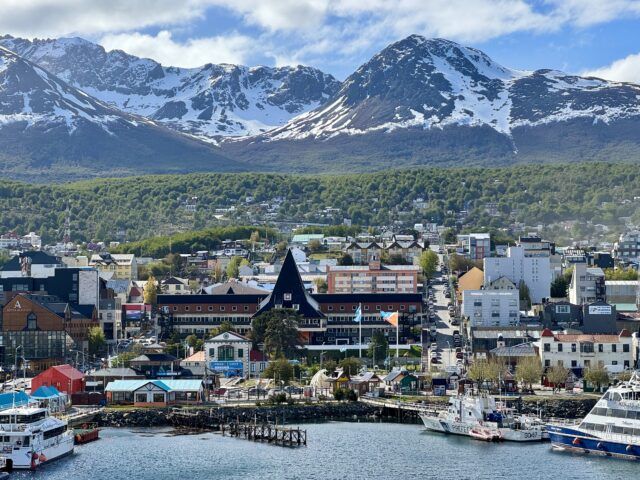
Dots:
pixel 282 436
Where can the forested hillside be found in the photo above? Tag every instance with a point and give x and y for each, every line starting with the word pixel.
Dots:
pixel 139 207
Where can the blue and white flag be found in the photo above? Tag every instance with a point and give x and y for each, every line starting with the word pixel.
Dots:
pixel 358 317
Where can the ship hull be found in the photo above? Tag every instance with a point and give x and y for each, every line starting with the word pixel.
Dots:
pixel 437 424
pixel 573 440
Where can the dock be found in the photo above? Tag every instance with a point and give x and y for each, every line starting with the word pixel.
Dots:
pixel 282 436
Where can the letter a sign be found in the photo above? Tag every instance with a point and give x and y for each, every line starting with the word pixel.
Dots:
pixel 17 305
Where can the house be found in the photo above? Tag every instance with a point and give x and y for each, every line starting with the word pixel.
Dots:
pixel 401 381
pixel 228 354
pixel 338 379
pixel 587 284
pixel 153 365
pixel 627 248
pixel 175 286
pixel 65 378
pixel 579 351
pixel 517 266
pixel 34 264
pixel 195 364
pixel 512 355
pixel 365 383
pixel 118 266
pixel 373 278
pixel 139 393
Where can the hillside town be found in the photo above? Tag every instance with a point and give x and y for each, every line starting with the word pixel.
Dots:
pixel 318 315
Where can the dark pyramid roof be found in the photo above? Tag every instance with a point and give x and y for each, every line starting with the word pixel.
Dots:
pixel 289 291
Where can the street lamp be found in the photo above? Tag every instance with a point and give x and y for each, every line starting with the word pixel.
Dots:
pixel 449 346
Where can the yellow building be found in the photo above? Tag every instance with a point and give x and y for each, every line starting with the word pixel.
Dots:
pixel 122 266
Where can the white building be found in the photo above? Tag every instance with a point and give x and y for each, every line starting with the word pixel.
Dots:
pixel 32 239
pixel 34 264
pixel 587 284
pixel 535 272
pixel 586 350
pixel 491 308
pixel 228 354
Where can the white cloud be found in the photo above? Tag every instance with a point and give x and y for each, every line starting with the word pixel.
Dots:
pixel 192 53
pixel 624 70
pixel 54 18
pixel 305 31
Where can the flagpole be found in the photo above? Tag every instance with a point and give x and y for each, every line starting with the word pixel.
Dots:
pixel 360 327
pixel 398 339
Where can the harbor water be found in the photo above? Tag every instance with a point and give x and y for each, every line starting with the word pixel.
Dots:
pixel 335 451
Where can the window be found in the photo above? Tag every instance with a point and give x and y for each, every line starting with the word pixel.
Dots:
pixel 212 352
pixel 234 308
pixel 240 353
pixel 225 353
pixel 614 347
pixel 342 308
pixel 574 348
pixel 198 308
pixel 287 297
pixel 141 398
pixel 586 347
pixel 560 363
pixel 559 347
pixel 600 348
pixel 158 398
pixel 625 347
pixel 32 321
pixel 574 363
pixel 186 309
pixel 547 347
pixel 563 309
pixel 222 308
pixel 330 308
pixel 175 309
pixel 378 308
pixel 210 308
pixel 547 363
pixel 366 308
pixel 246 308
pixel 587 363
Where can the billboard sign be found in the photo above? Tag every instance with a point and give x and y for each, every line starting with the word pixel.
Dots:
pixel 228 369
pixel 599 309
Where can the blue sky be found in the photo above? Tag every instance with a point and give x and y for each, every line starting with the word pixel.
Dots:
pixel 577 36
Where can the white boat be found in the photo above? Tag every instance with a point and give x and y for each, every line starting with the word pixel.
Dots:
pixel 611 428
pixel 29 437
pixel 479 417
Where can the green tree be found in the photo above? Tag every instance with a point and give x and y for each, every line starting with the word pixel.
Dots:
pixel 96 339
pixel 124 359
pixel 597 376
pixel 321 285
pixel 279 331
pixel 620 274
pixel 345 260
pixel 233 267
pixel 559 287
pixel 557 375
pixel 378 347
pixel 429 263
pixel 461 264
pixel 350 365
pixel 525 294
pixel 529 371
pixel 280 370
pixel 315 246
pixel 151 291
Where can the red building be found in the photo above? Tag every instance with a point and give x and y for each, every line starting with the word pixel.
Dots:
pixel 64 377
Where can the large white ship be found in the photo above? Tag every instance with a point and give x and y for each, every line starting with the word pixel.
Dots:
pixel 29 437
pixel 611 428
pixel 478 416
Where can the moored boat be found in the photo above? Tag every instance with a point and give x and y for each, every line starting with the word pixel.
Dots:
pixel 478 416
pixel 611 428
pixel 29 437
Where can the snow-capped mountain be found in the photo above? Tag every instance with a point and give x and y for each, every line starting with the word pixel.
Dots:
pixel 429 84
pixel 208 101
pixel 46 123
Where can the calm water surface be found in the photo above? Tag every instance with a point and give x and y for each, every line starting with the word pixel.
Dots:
pixel 335 451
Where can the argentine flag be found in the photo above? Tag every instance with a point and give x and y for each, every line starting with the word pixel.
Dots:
pixel 358 317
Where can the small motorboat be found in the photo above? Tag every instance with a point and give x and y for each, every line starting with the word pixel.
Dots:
pixel 485 434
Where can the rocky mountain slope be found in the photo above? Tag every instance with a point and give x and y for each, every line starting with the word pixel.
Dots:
pixel 208 101
pixel 50 128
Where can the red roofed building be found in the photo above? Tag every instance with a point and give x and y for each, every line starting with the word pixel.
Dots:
pixel 64 377
pixel 581 350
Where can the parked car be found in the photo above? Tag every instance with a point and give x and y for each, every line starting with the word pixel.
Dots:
pixel 435 360
pixel 459 355
pixel 293 390
pixel 257 392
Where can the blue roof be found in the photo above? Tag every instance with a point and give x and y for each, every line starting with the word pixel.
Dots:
pixel 183 385
pixel 133 385
pixel 46 392
pixel 13 399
